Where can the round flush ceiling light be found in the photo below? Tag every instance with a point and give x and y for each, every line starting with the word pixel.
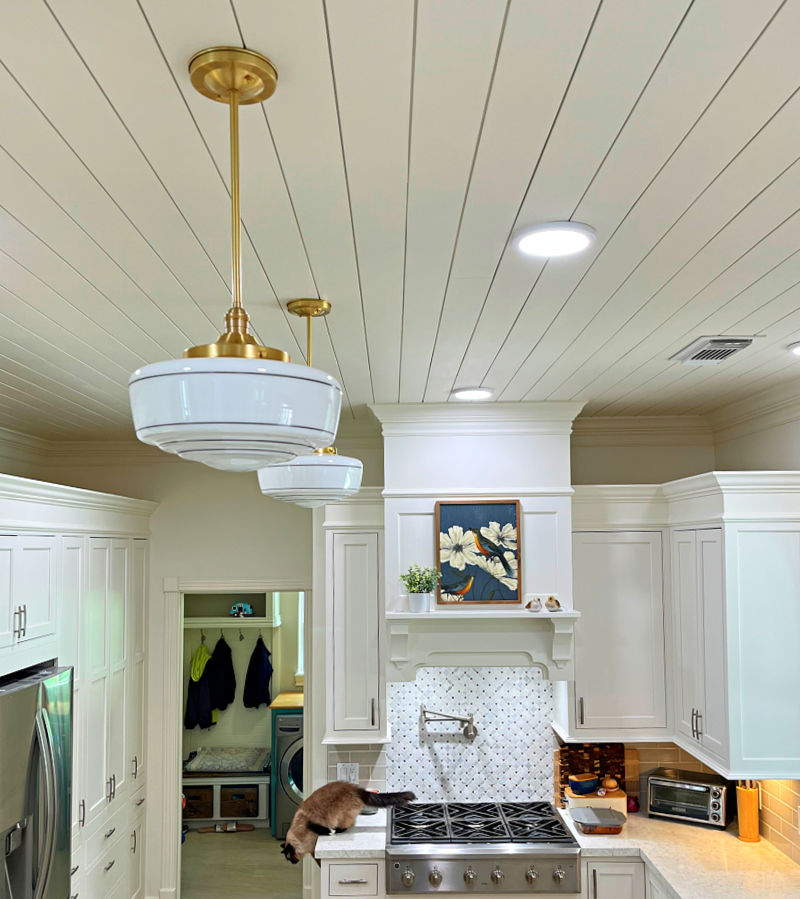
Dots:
pixel 794 348
pixel 471 393
pixel 555 239
pixel 234 404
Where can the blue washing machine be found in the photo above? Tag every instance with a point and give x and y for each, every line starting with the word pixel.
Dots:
pixel 286 777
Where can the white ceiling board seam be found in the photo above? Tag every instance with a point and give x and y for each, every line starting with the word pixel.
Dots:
pixel 635 204
pixel 128 131
pixel 522 202
pixel 466 193
pixel 349 198
pixel 408 189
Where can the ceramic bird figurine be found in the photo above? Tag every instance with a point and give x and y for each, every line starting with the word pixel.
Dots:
pixel 552 604
pixel 534 605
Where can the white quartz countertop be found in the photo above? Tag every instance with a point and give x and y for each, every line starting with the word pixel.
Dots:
pixel 696 862
pixel 699 862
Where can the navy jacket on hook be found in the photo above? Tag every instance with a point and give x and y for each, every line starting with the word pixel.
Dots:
pixel 259 674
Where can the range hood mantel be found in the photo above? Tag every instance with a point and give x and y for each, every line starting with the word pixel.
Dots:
pixel 480 639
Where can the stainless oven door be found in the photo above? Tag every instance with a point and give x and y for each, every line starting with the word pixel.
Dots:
pixel 675 799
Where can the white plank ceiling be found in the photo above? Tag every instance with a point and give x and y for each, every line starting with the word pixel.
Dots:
pixel 406 143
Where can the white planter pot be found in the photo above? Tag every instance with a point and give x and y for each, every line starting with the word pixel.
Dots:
pixel 419 602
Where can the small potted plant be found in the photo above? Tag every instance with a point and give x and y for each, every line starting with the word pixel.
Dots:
pixel 420 583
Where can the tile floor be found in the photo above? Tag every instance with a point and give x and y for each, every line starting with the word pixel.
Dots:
pixel 237 866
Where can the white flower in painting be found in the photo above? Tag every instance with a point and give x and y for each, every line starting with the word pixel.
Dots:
pixel 494 567
pixel 457 548
pixel 505 537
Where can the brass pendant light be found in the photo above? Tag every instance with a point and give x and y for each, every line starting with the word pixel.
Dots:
pixel 324 477
pixel 234 404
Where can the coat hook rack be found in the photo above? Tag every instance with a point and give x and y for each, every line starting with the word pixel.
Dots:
pixel 202 636
pixel 241 635
pixel 469 730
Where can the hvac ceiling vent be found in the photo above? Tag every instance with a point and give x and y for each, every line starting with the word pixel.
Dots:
pixel 711 350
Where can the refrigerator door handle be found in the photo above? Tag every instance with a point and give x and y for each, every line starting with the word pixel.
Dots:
pixel 44 736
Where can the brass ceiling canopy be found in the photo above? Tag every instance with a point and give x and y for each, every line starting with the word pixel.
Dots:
pixel 234 76
pixel 308 308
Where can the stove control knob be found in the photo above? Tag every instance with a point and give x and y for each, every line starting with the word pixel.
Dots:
pixel 559 874
pixel 470 877
pixel 497 876
pixel 531 874
pixel 435 877
pixel 407 878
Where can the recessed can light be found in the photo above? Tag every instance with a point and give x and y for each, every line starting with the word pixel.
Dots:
pixel 555 239
pixel 794 348
pixel 471 393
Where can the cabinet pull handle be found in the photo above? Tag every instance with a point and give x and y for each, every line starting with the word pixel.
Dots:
pixel 110 833
pixel 594 882
pixel 24 619
pixel 372 712
pixel 699 720
pixel 693 731
pixel 110 865
pixel 135 767
pixel 139 801
pixel 74 896
pixel 582 710
pixel 351 880
pixel 74 871
pixel 109 796
pixel 113 786
pixel 133 848
pixel 17 618
pixel 83 813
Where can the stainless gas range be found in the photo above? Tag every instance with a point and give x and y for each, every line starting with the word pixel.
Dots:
pixel 481 847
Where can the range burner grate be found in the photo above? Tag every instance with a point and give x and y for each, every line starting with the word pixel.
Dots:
pixel 478 822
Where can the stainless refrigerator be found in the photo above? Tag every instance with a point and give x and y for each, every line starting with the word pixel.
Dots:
pixel 35 783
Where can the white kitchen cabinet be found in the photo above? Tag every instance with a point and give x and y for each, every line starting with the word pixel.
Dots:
pixel 28 577
pixel 655 886
pixel 356 684
pixel 615 880
pixel 137 857
pixel 137 648
pixel 620 678
pixel 700 628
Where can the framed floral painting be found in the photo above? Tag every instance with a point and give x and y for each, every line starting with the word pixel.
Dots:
pixel 477 548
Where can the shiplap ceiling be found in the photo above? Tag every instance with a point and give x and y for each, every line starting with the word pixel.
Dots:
pixel 406 143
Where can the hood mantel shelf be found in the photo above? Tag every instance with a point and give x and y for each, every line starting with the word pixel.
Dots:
pixel 452 639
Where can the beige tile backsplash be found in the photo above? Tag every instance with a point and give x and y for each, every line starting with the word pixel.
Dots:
pixel 778 819
pixel 371 761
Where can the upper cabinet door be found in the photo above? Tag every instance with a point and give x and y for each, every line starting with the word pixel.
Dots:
pixel 620 677
pixel 136 659
pixel 34 581
pixel 8 616
pixel 688 630
pixel 355 627
pixel 712 725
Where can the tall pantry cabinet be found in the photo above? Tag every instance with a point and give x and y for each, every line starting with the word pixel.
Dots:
pixel 82 557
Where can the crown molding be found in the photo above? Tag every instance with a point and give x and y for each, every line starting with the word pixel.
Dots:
pixel 468 419
pixel 767 409
pixel 669 430
pixel 30 491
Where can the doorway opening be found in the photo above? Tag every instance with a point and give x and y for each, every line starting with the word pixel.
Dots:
pixel 242 741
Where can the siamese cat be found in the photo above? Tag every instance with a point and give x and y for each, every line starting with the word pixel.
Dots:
pixel 332 809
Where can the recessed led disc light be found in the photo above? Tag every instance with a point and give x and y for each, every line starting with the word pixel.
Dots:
pixel 555 239
pixel 794 348
pixel 471 393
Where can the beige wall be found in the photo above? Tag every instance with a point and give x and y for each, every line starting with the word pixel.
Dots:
pixel 638 464
pixel 776 448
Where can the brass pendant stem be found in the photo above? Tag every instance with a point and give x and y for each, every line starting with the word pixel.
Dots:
pixel 236 215
pixel 308 339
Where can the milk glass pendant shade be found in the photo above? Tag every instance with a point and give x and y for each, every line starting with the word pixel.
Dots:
pixel 324 477
pixel 234 404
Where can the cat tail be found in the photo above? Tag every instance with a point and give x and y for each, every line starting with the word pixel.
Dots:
pixel 383 800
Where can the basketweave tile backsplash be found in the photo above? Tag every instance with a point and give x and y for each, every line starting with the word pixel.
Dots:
pixel 510 759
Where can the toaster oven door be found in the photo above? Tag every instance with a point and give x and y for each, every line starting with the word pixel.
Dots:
pixel 674 799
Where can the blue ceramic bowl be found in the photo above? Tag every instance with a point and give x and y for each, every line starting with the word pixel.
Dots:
pixel 580 784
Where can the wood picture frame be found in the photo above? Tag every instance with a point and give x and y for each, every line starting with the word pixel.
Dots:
pixel 477 552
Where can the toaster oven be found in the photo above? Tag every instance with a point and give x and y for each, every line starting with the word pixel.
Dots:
pixel 688 796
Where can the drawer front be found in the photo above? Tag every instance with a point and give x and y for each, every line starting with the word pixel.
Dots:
pixel 104 877
pixel 353 880
pixel 106 835
pixel 238 802
pixel 199 802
